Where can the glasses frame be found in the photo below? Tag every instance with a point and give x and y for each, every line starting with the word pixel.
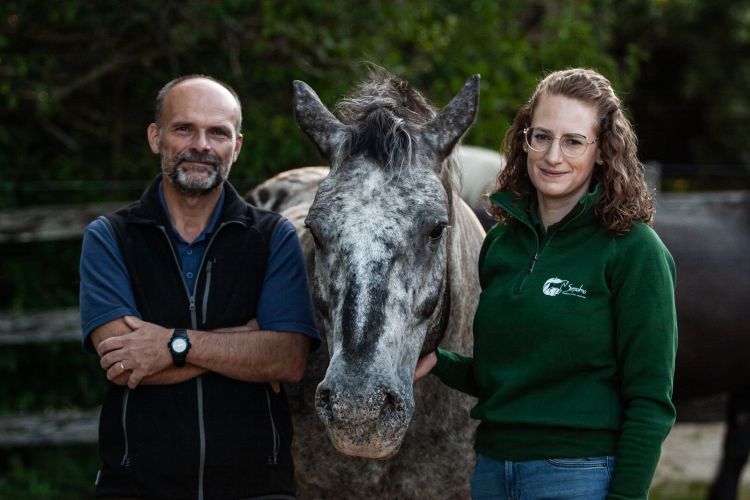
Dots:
pixel 525 133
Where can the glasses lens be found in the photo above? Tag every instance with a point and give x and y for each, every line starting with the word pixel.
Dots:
pixel 538 140
pixel 573 144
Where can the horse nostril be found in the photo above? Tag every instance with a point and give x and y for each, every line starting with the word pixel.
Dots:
pixel 390 403
pixel 323 403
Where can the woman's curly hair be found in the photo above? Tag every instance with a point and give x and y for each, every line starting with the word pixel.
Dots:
pixel 624 196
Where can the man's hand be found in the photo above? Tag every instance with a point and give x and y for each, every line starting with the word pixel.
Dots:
pixel 143 352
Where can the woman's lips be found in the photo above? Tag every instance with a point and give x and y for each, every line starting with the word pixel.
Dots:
pixel 551 173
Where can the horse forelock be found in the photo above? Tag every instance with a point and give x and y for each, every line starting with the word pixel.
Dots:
pixel 383 115
pixel 383 90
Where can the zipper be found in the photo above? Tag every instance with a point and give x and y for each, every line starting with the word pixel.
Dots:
pixel 125 462
pixel 274 458
pixel 206 289
pixel 534 260
pixel 193 313
pixel 194 326
pixel 538 253
pixel 202 437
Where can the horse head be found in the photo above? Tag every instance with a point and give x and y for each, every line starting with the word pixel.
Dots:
pixel 382 228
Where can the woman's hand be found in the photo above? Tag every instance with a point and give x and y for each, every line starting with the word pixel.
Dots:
pixel 425 365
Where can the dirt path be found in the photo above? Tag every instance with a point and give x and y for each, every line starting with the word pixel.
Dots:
pixel 691 453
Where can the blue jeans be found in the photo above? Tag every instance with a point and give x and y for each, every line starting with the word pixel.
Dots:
pixel 551 479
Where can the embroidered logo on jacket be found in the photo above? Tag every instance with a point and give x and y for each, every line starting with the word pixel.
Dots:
pixel 556 286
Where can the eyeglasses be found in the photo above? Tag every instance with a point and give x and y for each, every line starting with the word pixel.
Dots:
pixel 572 145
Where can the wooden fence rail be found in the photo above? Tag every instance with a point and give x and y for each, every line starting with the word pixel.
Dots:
pixel 58 427
pixel 52 428
pixel 49 223
pixel 60 325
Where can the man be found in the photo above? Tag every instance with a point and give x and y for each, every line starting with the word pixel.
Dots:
pixel 197 305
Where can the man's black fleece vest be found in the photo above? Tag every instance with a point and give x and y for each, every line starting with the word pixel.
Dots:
pixel 211 437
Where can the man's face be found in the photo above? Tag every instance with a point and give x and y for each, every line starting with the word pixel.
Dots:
pixel 197 138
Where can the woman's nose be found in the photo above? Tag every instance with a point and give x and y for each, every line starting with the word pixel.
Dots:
pixel 554 153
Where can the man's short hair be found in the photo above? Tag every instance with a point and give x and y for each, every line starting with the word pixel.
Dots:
pixel 173 83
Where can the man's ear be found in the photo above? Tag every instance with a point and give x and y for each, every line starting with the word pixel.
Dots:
pixel 238 146
pixel 154 141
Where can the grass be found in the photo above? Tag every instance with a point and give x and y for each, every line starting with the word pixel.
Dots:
pixel 59 473
pixel 693 490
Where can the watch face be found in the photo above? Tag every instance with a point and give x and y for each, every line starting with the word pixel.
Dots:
pixel 179 345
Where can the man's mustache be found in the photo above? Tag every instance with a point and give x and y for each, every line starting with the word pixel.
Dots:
pixel 194 156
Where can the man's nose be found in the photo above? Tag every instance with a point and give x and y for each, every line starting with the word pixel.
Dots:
pixel 201 142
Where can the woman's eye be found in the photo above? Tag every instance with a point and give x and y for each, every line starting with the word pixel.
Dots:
pixel 542 137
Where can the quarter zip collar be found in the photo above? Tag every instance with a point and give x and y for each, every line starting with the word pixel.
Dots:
pixel 524 209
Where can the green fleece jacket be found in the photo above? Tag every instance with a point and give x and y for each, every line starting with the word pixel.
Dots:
pixel 575 337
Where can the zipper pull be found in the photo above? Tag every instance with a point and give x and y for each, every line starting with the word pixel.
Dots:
pixel 533 263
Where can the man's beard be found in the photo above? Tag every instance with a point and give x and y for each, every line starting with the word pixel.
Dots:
pixel 189 184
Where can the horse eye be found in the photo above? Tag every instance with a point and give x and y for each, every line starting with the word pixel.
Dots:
pixel 437 231
pixel 314 236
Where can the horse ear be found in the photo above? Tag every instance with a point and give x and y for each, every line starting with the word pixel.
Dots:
pixel 445 130
pixel 314 118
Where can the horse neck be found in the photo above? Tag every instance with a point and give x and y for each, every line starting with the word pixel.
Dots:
pixel 463 254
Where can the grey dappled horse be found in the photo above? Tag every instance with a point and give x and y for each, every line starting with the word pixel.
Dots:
pixel 392 253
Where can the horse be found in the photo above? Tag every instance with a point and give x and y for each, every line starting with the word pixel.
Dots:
pixel 708 235
pixel 391 250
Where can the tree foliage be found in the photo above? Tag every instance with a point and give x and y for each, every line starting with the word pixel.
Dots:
pixel 78 78
pixel 691 100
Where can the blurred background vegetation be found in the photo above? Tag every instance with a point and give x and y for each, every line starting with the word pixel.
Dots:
pixel 78 79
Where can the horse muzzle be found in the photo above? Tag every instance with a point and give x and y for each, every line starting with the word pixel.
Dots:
pixel 366 420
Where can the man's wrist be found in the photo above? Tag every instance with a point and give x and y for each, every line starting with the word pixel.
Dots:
pixel 179 346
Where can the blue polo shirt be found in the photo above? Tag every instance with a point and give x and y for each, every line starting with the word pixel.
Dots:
pixel 106 294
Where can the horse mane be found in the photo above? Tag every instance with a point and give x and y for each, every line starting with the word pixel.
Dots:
pixel 383 113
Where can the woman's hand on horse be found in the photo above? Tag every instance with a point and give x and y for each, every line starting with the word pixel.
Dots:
pixel 425 365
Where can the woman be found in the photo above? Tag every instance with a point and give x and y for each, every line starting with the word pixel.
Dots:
pixel 575 332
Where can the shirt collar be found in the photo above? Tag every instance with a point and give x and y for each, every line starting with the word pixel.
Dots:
pixel 211 222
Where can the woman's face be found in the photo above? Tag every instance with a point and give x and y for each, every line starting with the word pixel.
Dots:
pixel 560 179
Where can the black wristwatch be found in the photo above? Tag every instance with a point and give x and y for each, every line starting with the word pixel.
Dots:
pixel 179 345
